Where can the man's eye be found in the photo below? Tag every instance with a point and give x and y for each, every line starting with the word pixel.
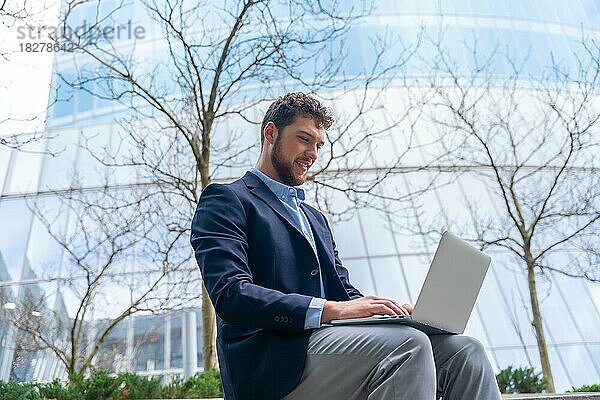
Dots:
pixel 304 139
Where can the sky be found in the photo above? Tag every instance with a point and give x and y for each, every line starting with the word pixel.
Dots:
pixel 24 76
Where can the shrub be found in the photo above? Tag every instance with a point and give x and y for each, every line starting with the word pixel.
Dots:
pixel 138 387
pixel 56 390
pixel 206 385
pixel 18 391
pixel 520 380
pixel 102 385
pixel 586 388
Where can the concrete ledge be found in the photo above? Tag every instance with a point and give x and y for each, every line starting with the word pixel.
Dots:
pixel 553 396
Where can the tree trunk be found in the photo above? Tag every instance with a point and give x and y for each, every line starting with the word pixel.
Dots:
pixel 539 328
pixel 209 323
pixel 209 332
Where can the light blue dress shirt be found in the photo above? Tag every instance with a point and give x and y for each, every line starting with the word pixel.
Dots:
pixel 291 197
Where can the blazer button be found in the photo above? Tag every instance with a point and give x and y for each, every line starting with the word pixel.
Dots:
pixel 314 272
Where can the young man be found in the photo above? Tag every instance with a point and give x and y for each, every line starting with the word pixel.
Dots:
pixel 272 271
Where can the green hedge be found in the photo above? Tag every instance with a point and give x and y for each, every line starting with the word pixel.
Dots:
pixel 520 380
pixel 586 388
pixel 102 385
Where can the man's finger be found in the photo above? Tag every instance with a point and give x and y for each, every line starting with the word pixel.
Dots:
pixel 398 310
pixel 384 309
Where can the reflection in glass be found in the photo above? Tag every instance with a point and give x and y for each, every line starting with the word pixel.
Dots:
pixel 515 357
pixel 43 251
pixel 59 166
pixel 25 173
pixel 360 276
pixel 348 238
pixel 494 316
pixel 582 370
pixel 5 153
pixel 389 278
pixel 377 234
pixel 13 241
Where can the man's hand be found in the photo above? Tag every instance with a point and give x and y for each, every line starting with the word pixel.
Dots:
pixel 363 307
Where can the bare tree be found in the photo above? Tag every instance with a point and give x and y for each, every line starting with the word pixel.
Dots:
pixel 186 116
pixel 104 231
pixel 532 139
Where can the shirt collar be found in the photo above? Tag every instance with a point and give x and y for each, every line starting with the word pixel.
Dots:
pixel 282 191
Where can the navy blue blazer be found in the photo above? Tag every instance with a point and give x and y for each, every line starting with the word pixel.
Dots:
pixel 261 274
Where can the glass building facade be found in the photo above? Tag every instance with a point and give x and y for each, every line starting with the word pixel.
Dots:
pixel 382 261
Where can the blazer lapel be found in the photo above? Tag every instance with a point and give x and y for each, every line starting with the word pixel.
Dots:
pixel 258 188
pixel 319 232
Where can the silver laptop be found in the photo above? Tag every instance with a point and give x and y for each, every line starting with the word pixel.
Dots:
pixel 449 293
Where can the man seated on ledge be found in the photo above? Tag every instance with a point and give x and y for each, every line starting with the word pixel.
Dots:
pixel 272 271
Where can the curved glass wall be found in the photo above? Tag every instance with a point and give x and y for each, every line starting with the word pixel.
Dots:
pixel 394 264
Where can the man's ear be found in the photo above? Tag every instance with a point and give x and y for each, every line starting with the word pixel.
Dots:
pixel 270 132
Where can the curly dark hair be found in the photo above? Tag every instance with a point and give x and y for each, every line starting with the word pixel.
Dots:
pixel 283 112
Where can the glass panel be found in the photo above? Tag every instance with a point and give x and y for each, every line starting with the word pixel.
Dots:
pixel 580 307
pixel 26 170
pixel 348 238
pixel 4 160
pixel 594 290
pixel 553 11
pixel 27 364
pixel 514 10
pixel 58 170
pixel 530 10
pixel 581 369
pixel 149 343
pixel 534 356
pixel 377 233
pixel 595 352
pixel 513 284
pixel 562 379
pixel 475 328
pixel 44 253
pixel 497 8
pixel 409 243
pixel 227 160
pixel 199 338
pixel 121 147
pixel 112 355
pixel 389 278
pixel 558 320
pixel 425 6
pixel 93 142
pixel 63 97
pixel 511 357
pixel 360 276
pixel 415 268
pixel 591 9
pixel 85 98
pixel 493 312
pixel 176 343
pixel 16 220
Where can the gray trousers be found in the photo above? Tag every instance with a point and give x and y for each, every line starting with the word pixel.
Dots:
pixel 394 362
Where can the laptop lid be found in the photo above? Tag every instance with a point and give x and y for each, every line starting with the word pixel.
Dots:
pixel 452 284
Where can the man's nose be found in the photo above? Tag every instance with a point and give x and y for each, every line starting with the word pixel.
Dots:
pixel 313 152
